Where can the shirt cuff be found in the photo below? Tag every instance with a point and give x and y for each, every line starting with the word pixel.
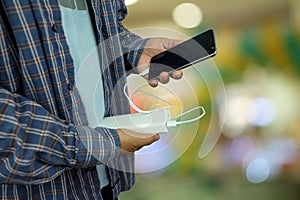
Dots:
pixel 133 56
pixel 96 146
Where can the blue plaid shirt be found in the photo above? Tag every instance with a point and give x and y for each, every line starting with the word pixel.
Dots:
pixel 47 151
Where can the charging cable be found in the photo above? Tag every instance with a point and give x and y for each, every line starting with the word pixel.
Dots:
pixel 170 123
pixel 174 123
pixel 131 103
pixel 147 121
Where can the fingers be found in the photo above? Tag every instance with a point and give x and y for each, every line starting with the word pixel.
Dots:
pixel 164 78
pixel 153 83
pixel 148 140
pixel 177 74
pixel 140 142
pixel 153 47
pixel 169 43
pixel 131 141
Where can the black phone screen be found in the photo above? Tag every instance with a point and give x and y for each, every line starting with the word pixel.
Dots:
pixel 184 54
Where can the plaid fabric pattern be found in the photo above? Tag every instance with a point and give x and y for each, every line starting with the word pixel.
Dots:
pixel 47 151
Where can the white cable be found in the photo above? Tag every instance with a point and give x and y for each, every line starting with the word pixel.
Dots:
pixel 143 73
pixel 195 119
pixel 191 110
pixel 174 123
pixel 171 123
pixel 129 100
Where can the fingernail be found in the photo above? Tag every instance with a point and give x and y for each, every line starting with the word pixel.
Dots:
pixel 177 75
pixel 153 83
pixel 156 137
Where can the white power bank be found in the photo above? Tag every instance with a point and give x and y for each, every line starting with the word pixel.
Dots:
pixel 153 122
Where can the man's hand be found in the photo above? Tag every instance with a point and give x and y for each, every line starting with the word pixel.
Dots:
pixel 153 47
pixel 132 141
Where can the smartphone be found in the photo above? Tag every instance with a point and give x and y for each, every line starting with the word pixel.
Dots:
pixel 187 53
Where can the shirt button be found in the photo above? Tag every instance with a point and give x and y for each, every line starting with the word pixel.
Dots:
pixel 70 87
pixel 55 28
pixel 121 13
pixel 73 162
pixel 76 136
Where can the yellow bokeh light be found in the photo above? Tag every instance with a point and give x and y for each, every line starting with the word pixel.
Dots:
pixel 187 15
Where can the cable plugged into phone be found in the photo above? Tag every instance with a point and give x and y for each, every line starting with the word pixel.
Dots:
pixel 148 121
pixel 194 50
pixel 170 123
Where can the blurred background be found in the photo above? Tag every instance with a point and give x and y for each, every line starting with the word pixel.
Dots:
pixel 257 153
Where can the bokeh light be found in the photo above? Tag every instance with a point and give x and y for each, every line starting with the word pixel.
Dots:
pixel 242 149
pixel 257 156
pixel 130 2
pixel 263 112
pixel 187 15
pixel 258 170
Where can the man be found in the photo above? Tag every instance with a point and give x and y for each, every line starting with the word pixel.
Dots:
pixel 47 148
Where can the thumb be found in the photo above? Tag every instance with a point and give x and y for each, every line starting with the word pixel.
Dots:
pixel 148 140
pixel 169 43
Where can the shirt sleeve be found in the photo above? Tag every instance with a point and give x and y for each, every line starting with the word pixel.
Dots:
pixel 132 43
pixel 36 146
